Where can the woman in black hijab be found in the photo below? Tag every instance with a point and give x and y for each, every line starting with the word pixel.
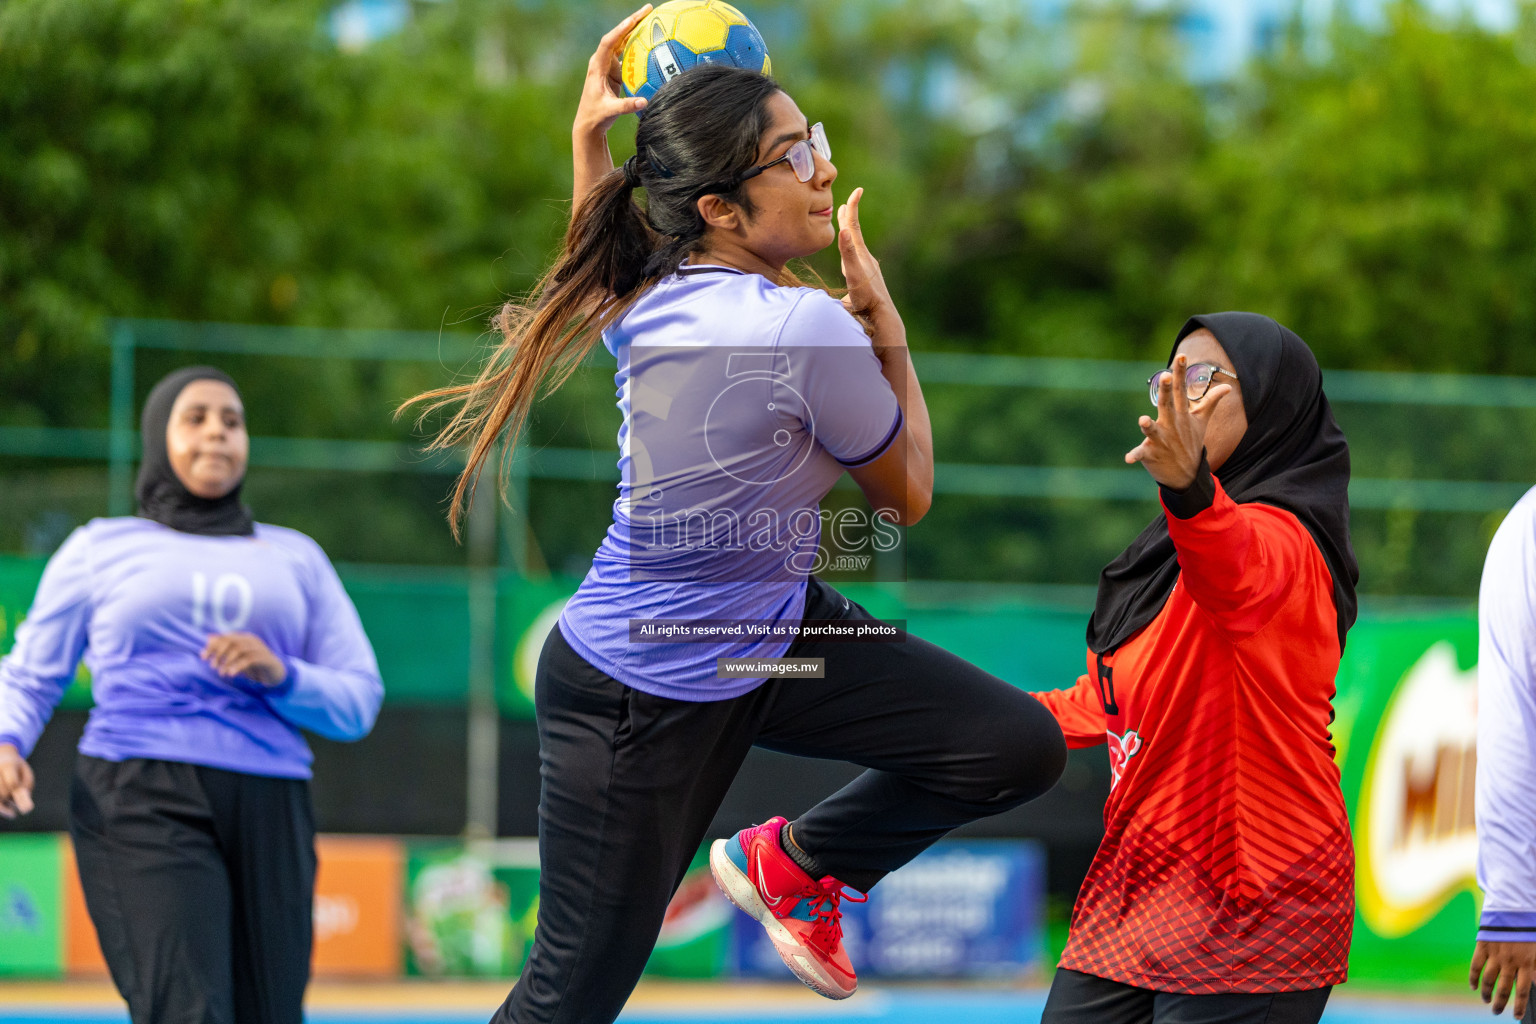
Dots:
pixel 214 509
pixel 1224 887
pixel 212 641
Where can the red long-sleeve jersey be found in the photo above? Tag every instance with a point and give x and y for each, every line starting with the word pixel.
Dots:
pixel 1226 864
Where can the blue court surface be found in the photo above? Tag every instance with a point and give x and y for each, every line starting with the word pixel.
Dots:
pixel 727 1005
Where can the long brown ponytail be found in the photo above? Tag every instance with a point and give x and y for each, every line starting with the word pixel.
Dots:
pixel 698 131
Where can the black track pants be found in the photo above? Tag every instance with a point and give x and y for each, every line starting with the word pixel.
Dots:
pixel 631 782
pixel 200 883
pixel 1078 998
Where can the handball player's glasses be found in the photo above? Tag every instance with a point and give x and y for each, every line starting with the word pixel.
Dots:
pixel 1198 378
pixel 801 156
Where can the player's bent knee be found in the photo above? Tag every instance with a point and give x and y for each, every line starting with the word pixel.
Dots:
pixel 1035 769
pixel 1029 754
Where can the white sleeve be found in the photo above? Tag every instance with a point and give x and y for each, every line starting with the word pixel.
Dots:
pixel 1506 730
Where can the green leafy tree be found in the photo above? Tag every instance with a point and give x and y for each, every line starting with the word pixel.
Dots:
pixel 1056 185
pixel 223 160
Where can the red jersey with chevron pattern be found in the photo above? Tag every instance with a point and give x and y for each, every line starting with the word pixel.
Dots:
pixel 1226 864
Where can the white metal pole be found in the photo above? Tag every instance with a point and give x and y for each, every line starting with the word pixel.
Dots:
pixel 484 739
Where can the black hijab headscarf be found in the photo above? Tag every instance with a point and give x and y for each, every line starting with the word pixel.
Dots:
pixel 162 496
pixel 1293 456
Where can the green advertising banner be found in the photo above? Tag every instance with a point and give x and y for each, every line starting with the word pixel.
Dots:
pixel 527 610
pixel 470 909
pixel 31 906
pixel 1406 733
pixel 695 940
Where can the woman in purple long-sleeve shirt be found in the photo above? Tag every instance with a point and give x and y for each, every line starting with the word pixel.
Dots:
pixel 212 641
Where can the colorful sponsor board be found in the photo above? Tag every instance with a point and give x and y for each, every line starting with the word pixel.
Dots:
pixel 527 611
pixel 1407 735
pixel 470 911
pixel 46 930
pixel 695 939
pixel 470 908
pixel 961 909
pixel 31 935
pixel 358 912
pixel 82 951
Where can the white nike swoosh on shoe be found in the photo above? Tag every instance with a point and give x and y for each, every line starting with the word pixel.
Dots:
pixel 762 887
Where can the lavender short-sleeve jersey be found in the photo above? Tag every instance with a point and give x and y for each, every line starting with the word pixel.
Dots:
pixel 743 403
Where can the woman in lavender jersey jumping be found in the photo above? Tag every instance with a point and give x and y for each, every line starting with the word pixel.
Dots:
pixel 212 641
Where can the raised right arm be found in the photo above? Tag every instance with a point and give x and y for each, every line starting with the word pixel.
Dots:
pixel 602 103
pixel 37 671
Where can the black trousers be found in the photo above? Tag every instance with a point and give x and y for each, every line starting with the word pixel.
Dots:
pixel 201 885
pixel 631 782
pixel 1078 998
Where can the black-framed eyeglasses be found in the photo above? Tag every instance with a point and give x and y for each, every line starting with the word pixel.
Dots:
pixel 801 156
pixel 1198 378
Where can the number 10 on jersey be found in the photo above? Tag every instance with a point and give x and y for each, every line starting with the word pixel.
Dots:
pixel 223 606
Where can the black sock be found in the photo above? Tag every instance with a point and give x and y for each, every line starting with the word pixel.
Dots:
pixel 806 861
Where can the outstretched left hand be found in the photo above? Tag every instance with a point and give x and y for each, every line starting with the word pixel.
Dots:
pixel 1176 439
pixel 244 654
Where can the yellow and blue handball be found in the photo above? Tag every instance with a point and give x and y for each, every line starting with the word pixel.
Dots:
pixel 681 34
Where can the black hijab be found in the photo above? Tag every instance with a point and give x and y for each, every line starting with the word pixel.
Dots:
pixel 1293 456
pixel 162 496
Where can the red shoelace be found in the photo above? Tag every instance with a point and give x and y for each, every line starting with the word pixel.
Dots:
pixel 824 897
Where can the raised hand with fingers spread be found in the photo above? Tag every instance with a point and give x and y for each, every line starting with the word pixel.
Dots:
pixel 1175 441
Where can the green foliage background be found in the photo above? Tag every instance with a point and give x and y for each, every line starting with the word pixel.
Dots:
pixel 1066 188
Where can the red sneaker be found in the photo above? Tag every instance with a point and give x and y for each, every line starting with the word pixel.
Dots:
pixel 802 916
